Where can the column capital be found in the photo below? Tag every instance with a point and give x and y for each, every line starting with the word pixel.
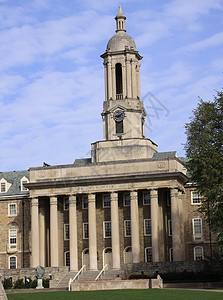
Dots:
pixel 114 196
pixel 91 197
pixel 72 200
pixel 133 195
pixel 35 201
pixel 173 192
pixel 53 200
pixel 154 193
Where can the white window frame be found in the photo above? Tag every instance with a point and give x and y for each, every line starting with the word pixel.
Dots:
pixel 104 225
pixel 124 199
pixel 6 184
pixel 144 198
pixel 84 236
pixel 198 197
pixel 66 232
pixel 125 227
pixel 12 256
pixel 202 253
pixel 151 254
pixel 65 203
pixel 106 195
pixel 9 210
pixel 12 245
pixel 65 258
pixel 23 180
pixel 197 236
pixel 170 227
pixel 84 197
pixel 147 234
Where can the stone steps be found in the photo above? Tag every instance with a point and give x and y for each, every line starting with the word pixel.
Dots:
pixel 65 280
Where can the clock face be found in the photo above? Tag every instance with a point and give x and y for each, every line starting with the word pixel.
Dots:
pixel 118 115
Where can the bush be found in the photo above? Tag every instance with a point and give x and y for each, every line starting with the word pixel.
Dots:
pixel 191 276
pixel 19 284
pixel 46 282
pixel 139 276
pixel 7 283
pixel 33 284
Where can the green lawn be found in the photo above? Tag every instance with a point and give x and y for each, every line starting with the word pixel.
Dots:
pixel 121 294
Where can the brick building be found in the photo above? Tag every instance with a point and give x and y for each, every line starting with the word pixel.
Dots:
pixel 128 203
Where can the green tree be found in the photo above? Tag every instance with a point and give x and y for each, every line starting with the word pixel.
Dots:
pixel 204 150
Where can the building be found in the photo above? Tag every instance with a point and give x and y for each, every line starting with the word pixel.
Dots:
pixel 128 203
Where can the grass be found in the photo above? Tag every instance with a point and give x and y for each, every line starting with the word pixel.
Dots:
pixel 121 294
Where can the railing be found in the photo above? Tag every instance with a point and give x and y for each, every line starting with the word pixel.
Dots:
pixel 119 96
pixel 101 272
pixel 76 276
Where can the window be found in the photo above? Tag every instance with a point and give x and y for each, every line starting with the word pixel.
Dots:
pixel 147 227
pixel 84 201
pixel 67 258
pixel 12 238
pixel 23 181
pixel 3 188
pixel 197 228
pixel 66 203
pixel 118 75
pixel 12 262
pixel 119 127
pixel 85 231
pixel 170 227
pixel 106 201
pixel 12 210
pixel 195 198
pixel 107 229
pixel 198 253
pixel 126 199
pixel 146 198
pixel 148 255
pixel 127 226
pixel 66 232
pixel 171 254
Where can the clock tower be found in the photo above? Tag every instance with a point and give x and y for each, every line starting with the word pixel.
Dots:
pixel 123 111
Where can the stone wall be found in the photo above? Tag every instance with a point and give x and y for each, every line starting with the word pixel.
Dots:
pixel 165 267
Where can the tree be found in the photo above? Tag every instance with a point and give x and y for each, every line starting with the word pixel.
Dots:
pixel 204 150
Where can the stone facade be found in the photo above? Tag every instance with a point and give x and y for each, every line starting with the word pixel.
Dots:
pixel 128 203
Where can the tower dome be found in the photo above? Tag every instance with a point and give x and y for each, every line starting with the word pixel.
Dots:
pixel 121 40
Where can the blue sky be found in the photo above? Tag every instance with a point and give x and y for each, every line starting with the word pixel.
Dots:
pixel 52 81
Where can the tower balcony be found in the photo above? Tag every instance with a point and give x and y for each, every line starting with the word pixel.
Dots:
pixel 119 96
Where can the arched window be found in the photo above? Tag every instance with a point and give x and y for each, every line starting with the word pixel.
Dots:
pixel 12 262
pixel 118 76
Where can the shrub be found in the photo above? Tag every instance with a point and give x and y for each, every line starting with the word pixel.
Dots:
pixel 139 276
pixel 7 283
pixel 19 284
pixel 33 284
pixel 46 282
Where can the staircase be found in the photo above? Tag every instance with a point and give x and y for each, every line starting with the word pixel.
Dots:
pixel 112 275
pixel 65 280
pixel 88 275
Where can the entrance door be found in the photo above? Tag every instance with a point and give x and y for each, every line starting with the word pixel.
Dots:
pixel 85 258
pixel 128 255
pixel 108 257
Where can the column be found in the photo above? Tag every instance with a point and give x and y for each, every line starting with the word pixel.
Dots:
pixel 138 82
pixel 113 83
pixel 109 79
pixel 106 82
pixel 115 231
pixel 73 233
pixel 42 234
pixel 124 79
pixel 176 224
pixel 154 225
pixel 92 232
pixel 35 231
pixel 128 79
pixel 53 232
pixel 133 71
pixel 181 219
pixel 135 227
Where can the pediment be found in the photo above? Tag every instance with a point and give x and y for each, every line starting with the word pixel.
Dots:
pixel 118 107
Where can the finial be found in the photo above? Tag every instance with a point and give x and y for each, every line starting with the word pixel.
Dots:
pixel 120 20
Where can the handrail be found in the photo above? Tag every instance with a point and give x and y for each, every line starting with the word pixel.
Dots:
pixel 101 272
pixel 76 276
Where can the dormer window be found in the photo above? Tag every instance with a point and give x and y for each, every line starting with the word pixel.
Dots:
pixel 4 185
pixel 23 181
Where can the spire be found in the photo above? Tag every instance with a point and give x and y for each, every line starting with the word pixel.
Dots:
pixel 120 20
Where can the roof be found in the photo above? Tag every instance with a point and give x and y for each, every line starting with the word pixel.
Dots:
pixel 14 178
pixel 120 41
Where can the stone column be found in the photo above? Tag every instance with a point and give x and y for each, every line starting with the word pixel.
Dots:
pixel 113 83
pixel 109 79
pixel 92 232
pixel 138 82
pixel 133 71
pixel 176 225
pixel 42 235
pixel 106 82
pixel 135 227
pixel 115 231
pixel 73 233
pixel 35 231
pixel 53 232
pixel 124 79
pixel 128 79
pixel 154 225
